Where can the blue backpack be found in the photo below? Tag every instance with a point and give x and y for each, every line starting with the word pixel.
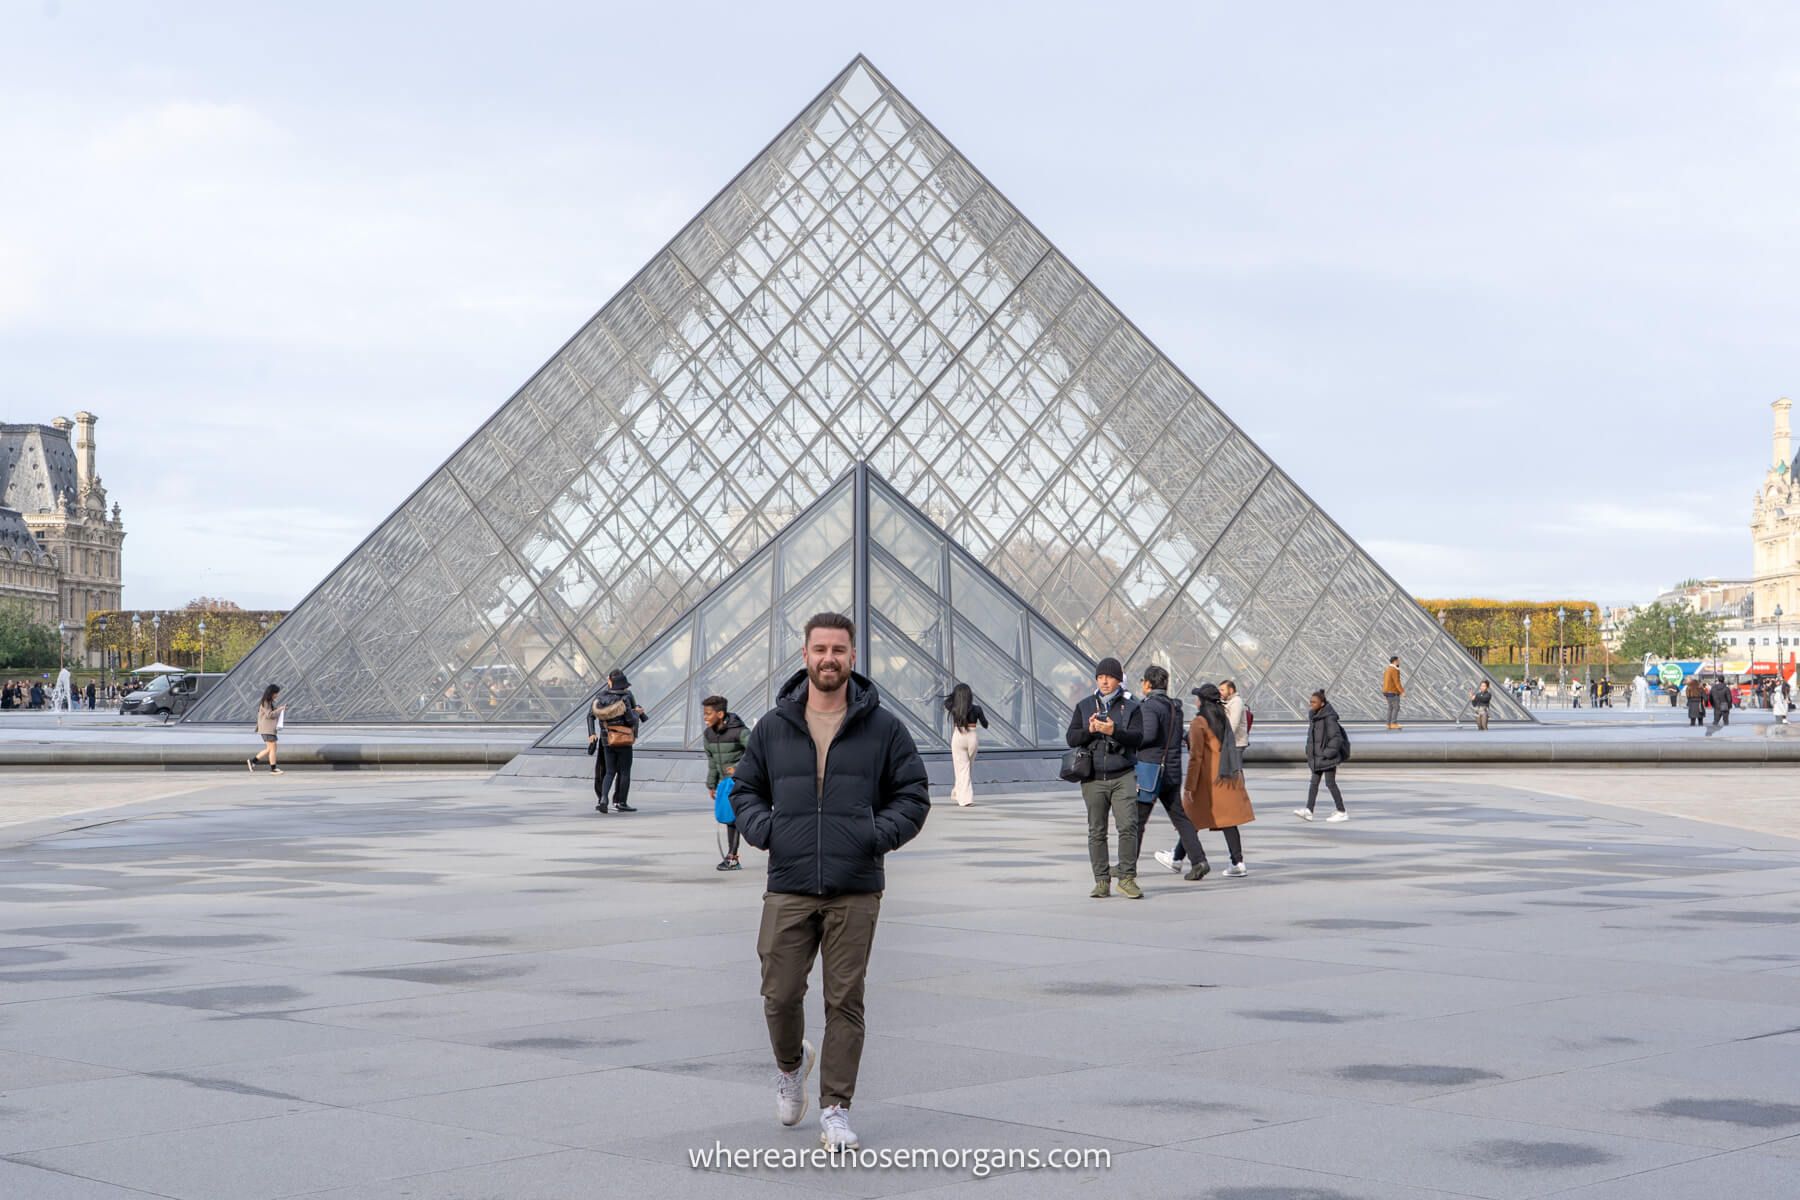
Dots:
pixel 722 811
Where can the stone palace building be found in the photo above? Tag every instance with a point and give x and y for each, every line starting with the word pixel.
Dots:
pixel 59 542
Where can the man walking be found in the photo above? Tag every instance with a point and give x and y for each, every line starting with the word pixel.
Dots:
pixel 1160 773
pixel 1720 695
pixel 1392 689
pixel 829 783
pixel 1481 702
pixel 724 740
pixel 1111 725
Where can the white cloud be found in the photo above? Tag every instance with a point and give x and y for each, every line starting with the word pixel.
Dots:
pixel 180 127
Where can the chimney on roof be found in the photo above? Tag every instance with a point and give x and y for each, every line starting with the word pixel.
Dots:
pixel 84 451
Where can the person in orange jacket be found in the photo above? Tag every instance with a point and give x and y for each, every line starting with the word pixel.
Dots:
pixel 1392 689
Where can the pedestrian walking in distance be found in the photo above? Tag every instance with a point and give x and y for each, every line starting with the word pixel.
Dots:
pixel 268 726
pixel 1720 695
pixel 1214 794
pixel 1327 747
pixel 965 743
pixel 1393 690
pixel 1482 701
pixel 829 783
pixel 1696 700
pixel 613 720
pixel 1110 725
pixel 1159 764
pixel 723 738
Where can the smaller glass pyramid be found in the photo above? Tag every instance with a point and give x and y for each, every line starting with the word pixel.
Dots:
pixel 928 616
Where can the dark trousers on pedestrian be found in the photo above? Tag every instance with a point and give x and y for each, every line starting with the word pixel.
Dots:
pixel 1721 716
pixel 1696 714
pixel 612 774
pixel 1116 796
pixel 839 931
pixel 1393 703
pixel 1329 776
pixel 1168 794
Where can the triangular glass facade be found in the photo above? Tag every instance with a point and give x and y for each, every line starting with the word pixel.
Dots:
pixel 858 293
pixel 929 616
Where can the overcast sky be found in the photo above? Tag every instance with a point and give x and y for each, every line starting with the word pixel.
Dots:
pixel 292 255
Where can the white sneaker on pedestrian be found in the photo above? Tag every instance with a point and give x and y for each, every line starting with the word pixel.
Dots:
pixel 790 1088
pixel 1167 859
pixel 1335 817
pixel 1236 871
pixel 1305 814
pixel 834 1129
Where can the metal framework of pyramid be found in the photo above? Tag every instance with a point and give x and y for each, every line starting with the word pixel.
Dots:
pixel 858 294
pixel 926 613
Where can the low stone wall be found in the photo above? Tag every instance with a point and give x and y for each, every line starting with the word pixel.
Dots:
pixel 339 756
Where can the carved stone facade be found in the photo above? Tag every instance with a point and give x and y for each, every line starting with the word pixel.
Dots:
pixel 59 542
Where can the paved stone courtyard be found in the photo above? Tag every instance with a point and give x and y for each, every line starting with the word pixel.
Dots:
pixel 438 987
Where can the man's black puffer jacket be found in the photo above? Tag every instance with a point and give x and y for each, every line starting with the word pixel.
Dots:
pixel 875 796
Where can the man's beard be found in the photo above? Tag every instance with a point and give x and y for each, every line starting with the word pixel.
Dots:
pixel 813 677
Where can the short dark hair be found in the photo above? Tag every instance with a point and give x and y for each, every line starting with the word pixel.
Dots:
pixel 829 620
pixel 716 703
pixel 1395 658
pixel 1228 683
pixel 1156 677
pixel 1321 695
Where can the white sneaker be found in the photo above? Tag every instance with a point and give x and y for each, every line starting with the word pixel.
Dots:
pixel 790 1088
pixel 1236 871
pixel 1167 859
pixel 834 1129
pixel 1335 817
pixel 1305 814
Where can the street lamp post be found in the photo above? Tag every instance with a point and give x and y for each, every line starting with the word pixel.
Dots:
pixel 1780 649
pixel 1671 637
pixel 1528 657
pixel 156 634
pixel 62 644
pixel 1587 619
pixel 1562 686
pixel 137 635
pixel 105 652
pixel 201 626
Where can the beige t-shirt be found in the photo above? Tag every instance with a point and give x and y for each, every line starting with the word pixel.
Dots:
pixel 824 727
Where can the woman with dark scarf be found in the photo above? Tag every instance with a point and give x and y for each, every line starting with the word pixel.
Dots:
pixel 1214 796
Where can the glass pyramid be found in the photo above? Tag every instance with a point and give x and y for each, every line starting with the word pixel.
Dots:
pixel 859 293
pixel 928 616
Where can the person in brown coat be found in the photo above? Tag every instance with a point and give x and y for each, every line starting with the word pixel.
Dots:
pixel 1214 795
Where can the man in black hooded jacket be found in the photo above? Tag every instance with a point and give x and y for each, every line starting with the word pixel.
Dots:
pixel 829 783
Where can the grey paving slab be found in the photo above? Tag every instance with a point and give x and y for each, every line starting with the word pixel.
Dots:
pixel 282 1156
pixel 1467 1155
pixel 390 1071
pixel 597 1109
pixel 100 1110
pixel 893 1065
pixel 1167 1174
pixel 496 994
pixel 21 1071
pixel 200 1043
pixel 567 1176
pixel 1743 1174
pixel 36 1183
pixel 1147 1104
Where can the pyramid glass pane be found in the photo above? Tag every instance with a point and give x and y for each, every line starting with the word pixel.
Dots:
pixel 858 294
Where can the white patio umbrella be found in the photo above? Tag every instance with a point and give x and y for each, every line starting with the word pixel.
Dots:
pixel 157 668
